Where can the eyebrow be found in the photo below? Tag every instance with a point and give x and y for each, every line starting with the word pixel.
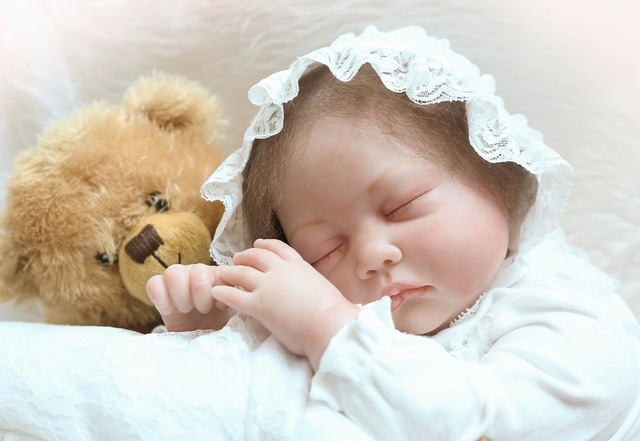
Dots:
pixel 303 226
pixel 377 183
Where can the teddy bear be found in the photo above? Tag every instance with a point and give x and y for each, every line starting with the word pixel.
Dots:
pixel 109 197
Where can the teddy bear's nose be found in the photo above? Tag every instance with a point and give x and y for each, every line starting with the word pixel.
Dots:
pixel 145 244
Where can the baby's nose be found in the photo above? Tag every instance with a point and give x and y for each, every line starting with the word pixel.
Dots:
pixel 376 254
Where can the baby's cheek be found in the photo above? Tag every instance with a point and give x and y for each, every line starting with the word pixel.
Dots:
pixel 485 255
pixel 347 284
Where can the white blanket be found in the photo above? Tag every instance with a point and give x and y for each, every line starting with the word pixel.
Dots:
pixel 91 383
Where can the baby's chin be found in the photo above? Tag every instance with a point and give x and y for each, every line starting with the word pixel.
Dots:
pixel 421 330
pixel 418 317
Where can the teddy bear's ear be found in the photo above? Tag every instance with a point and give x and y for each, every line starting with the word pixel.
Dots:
pixel 15 278
pixel 174 103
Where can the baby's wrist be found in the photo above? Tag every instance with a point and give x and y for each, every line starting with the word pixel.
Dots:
pixel 325 326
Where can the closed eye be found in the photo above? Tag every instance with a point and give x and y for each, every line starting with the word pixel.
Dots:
pixel 404 208
pixel 330 255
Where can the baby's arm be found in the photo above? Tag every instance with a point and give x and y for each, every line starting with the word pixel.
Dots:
pixel 557 367
pixel 182 295
pixel 272 283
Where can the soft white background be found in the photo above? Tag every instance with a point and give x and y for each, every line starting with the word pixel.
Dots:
pixel 571 66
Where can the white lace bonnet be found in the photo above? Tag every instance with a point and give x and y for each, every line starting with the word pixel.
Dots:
pixel 428 71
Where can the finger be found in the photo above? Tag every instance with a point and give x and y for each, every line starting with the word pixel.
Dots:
pixel 278 247
pixel 159 296
pixel 234 297
pixel 217 280
pixel 200 282
pixel 258 258
pixel 246 277
pixel 176 279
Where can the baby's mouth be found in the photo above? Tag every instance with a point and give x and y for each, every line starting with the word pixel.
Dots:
pixel 399 296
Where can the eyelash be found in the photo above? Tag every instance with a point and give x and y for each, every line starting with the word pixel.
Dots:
pixel 401 209
pixel 329 254
pixel 404 207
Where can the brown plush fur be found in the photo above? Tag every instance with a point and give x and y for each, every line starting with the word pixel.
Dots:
pixel 92 178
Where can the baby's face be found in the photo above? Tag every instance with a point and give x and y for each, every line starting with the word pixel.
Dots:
pixel 379 223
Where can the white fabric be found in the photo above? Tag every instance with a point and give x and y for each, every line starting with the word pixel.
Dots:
pixel 62 383
pixel 551 353
pixel 428 71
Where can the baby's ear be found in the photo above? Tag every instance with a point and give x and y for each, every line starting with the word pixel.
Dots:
pixel 173 103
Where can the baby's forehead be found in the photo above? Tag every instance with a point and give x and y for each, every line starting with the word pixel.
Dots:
pixel 330 140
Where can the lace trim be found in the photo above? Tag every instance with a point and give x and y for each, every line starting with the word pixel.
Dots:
pixel 469 312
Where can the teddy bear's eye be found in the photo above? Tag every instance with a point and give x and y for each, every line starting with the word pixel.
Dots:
pixel 106 259
pixel 156 201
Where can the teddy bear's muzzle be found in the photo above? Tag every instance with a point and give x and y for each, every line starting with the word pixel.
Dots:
pixel 159 241
pixel 146 244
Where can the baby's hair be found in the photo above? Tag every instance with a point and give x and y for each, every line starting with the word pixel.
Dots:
pixel 437 132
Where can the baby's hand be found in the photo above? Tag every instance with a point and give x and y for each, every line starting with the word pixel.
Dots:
pixel 273 284
pixel 182 296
